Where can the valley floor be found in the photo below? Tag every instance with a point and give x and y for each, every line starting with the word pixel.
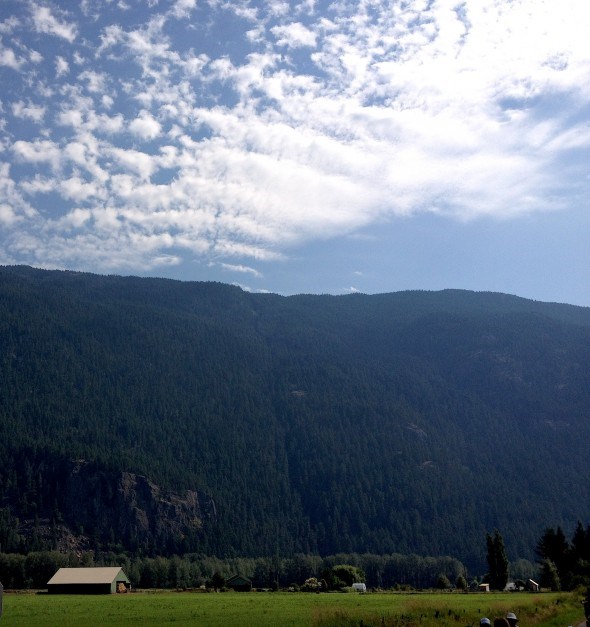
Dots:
pixel 231 609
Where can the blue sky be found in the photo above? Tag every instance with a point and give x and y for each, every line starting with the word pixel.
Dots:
pixel 313 146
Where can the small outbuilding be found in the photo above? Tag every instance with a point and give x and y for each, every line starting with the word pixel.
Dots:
pixel 359 587
pixel 99 580
pixel 239 583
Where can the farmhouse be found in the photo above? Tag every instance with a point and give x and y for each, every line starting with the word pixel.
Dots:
pixel 99 580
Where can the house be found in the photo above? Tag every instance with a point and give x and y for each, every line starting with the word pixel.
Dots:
pixel 484 587
pixel 359 587
pixel 510 587
pixel 99 580
pixel 532 586
pixel 239 583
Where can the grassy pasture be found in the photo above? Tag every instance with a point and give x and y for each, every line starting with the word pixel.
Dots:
pixel 233 609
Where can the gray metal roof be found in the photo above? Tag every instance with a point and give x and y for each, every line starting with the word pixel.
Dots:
pixel 99 574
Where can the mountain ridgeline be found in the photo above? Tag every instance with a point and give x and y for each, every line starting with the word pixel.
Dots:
pixel 410 422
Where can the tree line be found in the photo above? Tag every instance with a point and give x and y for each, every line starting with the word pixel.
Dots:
pixel 565 564
pixel 562 565
pixel 192 571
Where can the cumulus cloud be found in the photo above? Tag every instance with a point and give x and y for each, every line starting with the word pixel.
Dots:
pixel 145 126
pixel 28 111
pixel 46 22
pixel 38 151
pixel 95 81
pixel 61 66
pixel 135 161
pixel 8 25
pixel 294 35
pixel 13 207
pixel 183 8
pixel 8 58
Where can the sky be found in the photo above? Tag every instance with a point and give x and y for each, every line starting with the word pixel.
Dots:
pixel 300 147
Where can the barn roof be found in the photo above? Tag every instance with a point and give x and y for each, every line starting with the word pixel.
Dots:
pixel 238 579
pixel 99 574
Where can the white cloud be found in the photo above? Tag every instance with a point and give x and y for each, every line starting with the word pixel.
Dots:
pixel 105 123
pixel 28 111
pixel 78 190
pixel 76 218
pixel 241 269
pixel 8 58
pixel 183 8
pixel 8 25
pixel 35 56
pixel 95 81
pixel 38 151
pixel 39 185
pixel 294 35
pixel 294 130
pixel 78 112
pixel 193 65
pixel 111 36
pixel 13 208
pixel 278 8
pixel 140 163
pixel 145 126
pixel 71 117
pixel 8 216
pixel 46 22
pixel 62 67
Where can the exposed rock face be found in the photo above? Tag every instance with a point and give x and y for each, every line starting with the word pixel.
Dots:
pixel 58 537
pixel 133 510
pixel 104 508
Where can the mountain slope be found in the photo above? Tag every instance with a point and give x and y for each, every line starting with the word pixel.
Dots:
pixel 407 422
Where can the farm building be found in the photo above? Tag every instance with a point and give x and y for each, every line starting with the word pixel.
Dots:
pixel 239 583
pixel 99 580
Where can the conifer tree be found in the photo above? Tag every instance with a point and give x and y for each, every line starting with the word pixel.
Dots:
pixel 497 561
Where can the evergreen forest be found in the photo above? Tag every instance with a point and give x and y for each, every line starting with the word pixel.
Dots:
pixel 158 418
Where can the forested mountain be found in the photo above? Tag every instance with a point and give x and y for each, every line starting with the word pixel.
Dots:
pixel 393 423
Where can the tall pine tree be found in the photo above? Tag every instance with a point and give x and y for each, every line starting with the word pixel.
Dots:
pixel 497 561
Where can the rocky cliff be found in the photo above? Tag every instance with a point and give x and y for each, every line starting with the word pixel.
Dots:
pixel 96 507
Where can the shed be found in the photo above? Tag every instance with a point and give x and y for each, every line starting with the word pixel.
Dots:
pixel 359 587
pixel 99 580
pixel 239 583
pixel 533 586
pixel 484 587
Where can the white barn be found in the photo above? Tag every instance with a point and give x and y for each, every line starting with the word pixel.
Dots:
pixel 99 580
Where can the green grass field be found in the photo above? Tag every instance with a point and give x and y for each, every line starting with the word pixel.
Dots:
pixel 258 609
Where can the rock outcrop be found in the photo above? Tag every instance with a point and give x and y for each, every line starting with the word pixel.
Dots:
pixel 97 507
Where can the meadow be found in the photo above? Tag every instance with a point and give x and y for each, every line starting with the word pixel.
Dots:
pixel 234 609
